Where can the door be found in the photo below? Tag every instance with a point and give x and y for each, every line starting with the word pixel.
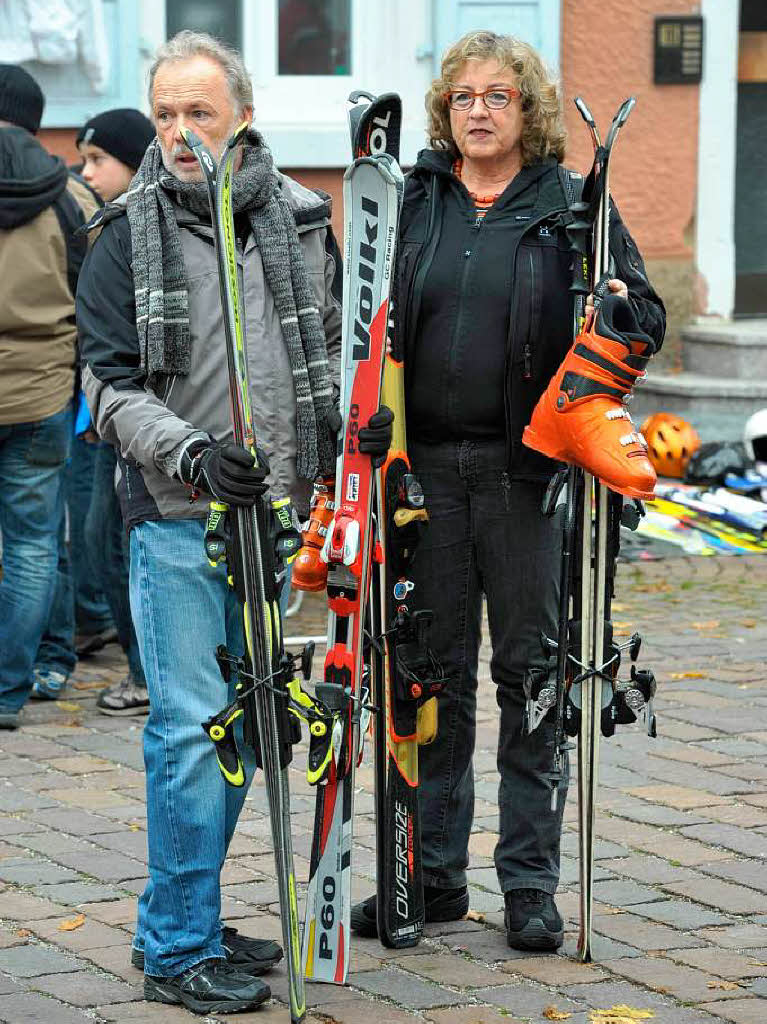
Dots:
pixel 535 21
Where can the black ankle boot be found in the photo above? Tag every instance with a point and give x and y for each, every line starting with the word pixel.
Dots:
pixel 440 905
pixel 532 920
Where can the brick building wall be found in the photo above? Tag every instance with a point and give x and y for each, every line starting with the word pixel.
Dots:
pixel 607 55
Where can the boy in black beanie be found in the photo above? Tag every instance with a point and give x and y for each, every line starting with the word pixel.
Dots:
pixel 112 146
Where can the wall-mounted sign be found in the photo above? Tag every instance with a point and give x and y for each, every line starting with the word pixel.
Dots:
pixel 678 50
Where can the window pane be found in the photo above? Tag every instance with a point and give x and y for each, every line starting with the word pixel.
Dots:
pixel 314 37
pixel 221 18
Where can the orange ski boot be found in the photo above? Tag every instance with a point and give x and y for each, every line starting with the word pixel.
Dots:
pixel 581 416
pixel 309 571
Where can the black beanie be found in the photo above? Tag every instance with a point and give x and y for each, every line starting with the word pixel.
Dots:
pixel 124 134
pixel 21 98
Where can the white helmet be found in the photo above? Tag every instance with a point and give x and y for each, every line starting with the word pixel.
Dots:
pixel 755 436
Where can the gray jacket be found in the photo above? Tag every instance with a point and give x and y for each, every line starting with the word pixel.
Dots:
pixel 151 428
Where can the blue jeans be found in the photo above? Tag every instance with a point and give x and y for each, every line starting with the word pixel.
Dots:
pixel 57 647
pixel 183 609
pixel 91 610
pixel 107 545
pixel 32 457
pixel 486 535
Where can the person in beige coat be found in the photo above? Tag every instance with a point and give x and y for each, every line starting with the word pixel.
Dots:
pixel 41 207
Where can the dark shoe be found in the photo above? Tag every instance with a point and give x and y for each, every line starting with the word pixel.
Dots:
pixel 89 643
pixel 532 920
pixel 440 905
pixel 213 986
pixel 252 956
pixel 9 719
pixel 124 698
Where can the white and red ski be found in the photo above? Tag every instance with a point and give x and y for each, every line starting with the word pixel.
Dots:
pixel 373 188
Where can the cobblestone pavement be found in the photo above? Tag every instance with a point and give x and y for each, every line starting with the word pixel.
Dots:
pixel 681 890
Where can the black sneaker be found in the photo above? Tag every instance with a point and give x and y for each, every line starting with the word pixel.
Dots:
pixel 212 986
pixel 89 643
pixel 251 956
pixel 440 905
pixel 532 920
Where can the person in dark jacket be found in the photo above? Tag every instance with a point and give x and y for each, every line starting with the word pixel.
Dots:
pixel 484 321
pixel 112 145
pixel 41 207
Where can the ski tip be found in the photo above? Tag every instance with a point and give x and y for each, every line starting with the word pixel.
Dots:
pixel 192 141
pixel 238 134
pixel 584 111
pixel 625 109
pixel 358 95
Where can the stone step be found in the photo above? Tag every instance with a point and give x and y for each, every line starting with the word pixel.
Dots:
pixel 737 348
pixel 717 407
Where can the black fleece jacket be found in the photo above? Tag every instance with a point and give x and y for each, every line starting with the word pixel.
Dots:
pixel 484 312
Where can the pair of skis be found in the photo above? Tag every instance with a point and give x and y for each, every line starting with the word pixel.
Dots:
pixel 378 655
pixel 581 688
pixel 372 189
pixel 256 542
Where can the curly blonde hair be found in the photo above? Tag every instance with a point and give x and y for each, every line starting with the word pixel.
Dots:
pixel 543 132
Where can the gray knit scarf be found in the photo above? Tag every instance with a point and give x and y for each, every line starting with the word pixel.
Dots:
pixel 162 302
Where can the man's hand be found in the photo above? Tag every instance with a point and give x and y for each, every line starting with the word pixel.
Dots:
pixel 616 286
pixel 375 438
pixel 225 471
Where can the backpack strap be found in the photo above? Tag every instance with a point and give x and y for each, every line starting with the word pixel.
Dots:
pixel 70 218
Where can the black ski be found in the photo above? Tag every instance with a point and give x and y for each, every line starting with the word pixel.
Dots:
pixel 251 539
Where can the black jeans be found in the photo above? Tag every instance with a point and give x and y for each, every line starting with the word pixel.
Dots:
pixel 487 535
pixel 108 549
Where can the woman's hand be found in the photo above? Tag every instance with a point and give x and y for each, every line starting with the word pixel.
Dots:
pixel 616 286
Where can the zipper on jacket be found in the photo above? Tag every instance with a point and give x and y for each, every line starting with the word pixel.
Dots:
pixel 527 348
pixel 467 255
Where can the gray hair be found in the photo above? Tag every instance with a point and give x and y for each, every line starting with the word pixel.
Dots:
pixel 186 44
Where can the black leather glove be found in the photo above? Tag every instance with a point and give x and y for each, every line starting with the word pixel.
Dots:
pixel 375 438
pixel 225 471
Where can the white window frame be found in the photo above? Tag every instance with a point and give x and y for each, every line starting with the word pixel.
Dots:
pixel 303 117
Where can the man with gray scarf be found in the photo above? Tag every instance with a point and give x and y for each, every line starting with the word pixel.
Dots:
pixel 155 375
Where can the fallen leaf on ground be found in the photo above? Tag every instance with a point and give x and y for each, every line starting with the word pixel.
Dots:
pixel 72 923
pixel 727 986
pixel 134 828
pixel 688 675
pixel 709 624
pixel 88 686
pixel 68 705
pixel 473 915
pixel 757 963
pixel 748 623
pixel 620 1014
pixel 23 933
pixel 552 1013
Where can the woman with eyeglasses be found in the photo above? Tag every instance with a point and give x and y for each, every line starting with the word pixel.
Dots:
pixel 484 320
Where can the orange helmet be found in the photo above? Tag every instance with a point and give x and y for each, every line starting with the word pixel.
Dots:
pixel 670 443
